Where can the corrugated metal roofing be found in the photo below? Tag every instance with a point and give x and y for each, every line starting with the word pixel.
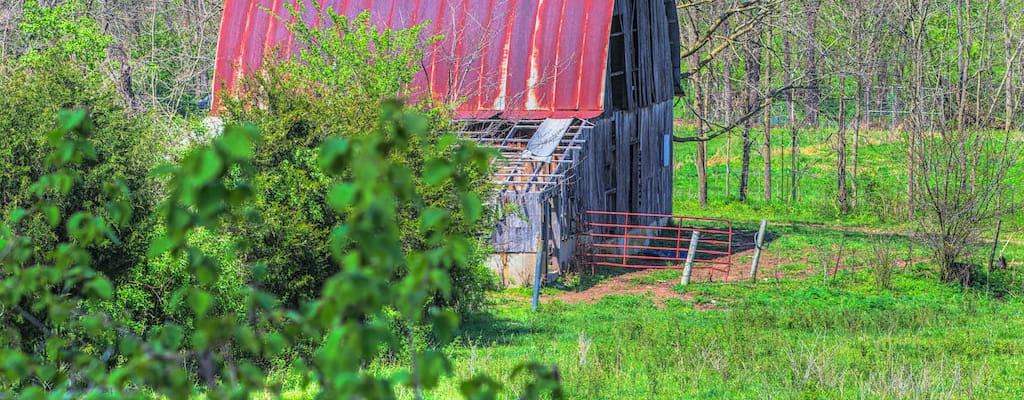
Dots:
pixel 526 59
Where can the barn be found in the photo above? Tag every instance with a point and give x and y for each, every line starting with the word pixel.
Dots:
pixel 577 95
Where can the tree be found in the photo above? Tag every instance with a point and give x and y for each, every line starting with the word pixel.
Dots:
pixel 812 96
pixel 962 176
pixel 703 20
pixel 73 350
pixel 752 105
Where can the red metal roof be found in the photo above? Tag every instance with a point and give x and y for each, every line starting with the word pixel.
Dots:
pixel 527 59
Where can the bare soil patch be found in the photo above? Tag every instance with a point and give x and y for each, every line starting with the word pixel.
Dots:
pixel 630 283
pixel 625 284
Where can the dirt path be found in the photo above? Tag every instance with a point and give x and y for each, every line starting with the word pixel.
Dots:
pixel 631 283
pixel 624 284
pixel 772 266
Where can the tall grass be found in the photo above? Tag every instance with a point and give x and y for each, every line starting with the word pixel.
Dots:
pixel 784 339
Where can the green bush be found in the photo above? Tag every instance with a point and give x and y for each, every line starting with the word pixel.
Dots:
pixel 71 350
pixel 333 91
pixel 60 70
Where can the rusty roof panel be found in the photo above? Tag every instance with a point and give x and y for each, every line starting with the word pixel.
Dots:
pixel 524 59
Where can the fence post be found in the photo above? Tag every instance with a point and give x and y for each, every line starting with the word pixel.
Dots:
pixel 542 256
pixel 689 257
pixel 758 243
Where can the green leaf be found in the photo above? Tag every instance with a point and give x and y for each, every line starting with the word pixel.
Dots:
pixel 472 209
pixel 432 217
pixel 445 323
pixel 237 142
pixel 100 287
pixel 200 302
pixel 164 169
pixel 432 364
pixel 259 272
pixel 171 336
pixel 480 387
pixel 334 156
pixel 205 165
pixel 342 195
pixel 436 171
pixel 70 119
pixel 16 215
pixel 52 215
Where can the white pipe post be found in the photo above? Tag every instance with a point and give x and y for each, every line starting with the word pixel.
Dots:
pixel 689 257
pixel 758 243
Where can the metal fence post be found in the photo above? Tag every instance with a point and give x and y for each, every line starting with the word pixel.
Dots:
pixel 542 256
pixel 758 243
pixel 689 257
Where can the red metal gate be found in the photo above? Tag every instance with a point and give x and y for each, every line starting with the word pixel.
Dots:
pixel 638 240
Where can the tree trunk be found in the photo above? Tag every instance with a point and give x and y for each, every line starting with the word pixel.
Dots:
pixel 787 77
pixel 745 167
pixel 1010 84
pixel 813 94
pixel 700 106
pixel 794 154
pixel 842 196
pixel 728 95
pixel 702 172
pixel 752 55
pixel 766 150
pixel 856 141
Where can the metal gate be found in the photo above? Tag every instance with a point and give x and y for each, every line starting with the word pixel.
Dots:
pixel 638 240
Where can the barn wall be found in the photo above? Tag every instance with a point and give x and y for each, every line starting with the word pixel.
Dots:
pixel 647 56
pixel 624 167
pixel 625 164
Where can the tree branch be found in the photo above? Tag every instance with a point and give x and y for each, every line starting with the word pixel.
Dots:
pixel 739 121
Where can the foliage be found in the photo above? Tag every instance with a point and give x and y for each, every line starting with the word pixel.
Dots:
pixel 32 91
pixel 50 341
pixel 331 91
pixel 80 352
pixel 61 31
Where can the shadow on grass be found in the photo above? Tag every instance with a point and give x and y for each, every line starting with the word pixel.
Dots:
pixel 483 328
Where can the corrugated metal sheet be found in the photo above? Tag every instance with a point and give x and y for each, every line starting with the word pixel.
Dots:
pixel 527 59
pixel 544 142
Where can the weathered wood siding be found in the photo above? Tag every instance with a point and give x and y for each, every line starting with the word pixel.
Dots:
pixel 625 165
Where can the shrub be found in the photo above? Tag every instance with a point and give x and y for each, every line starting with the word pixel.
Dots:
pixel 331 91
pixel 72 351
pixel 884 265
pixel 60 70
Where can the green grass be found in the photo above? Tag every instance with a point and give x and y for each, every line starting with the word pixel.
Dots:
pixel 787 339
pixel 798 333
pixel 881 180
pixel 665 275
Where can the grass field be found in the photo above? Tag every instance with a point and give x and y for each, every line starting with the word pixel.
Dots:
pixel 791 338
pixel 848 307
pixel 881 181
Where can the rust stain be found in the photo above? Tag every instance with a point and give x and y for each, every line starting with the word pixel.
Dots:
pixel 549 57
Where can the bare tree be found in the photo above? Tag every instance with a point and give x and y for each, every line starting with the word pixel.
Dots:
pixel 812 100
pixel 752 60
pixel 704 43
pixel 961 176
pixel 766 148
